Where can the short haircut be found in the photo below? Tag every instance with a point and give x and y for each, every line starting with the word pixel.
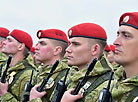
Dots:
pixel 2 38
pixel 64 45
pixel 26 50
pixel 102 44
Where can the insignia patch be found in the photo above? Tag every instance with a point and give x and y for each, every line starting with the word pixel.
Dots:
pixel 70 32
pixel 126 19
pixel 11 77
pixel 85 87
pixel 50 83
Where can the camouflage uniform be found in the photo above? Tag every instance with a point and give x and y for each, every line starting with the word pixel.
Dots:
pixel 115 67
pixel 122 89
pixel 94 95
pixel 3 58
pixel 99 74
pixel 17 76
pixel 58 74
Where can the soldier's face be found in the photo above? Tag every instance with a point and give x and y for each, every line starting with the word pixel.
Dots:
pixel 78 52
pixel 44 51
pixel 10 45
pixel 110 56
pixel 126 45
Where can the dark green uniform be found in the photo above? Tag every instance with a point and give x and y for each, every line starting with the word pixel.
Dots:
pixel 99 74
pixel 58 74
pixel 17 76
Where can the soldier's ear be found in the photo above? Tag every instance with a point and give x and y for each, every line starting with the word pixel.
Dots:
pixel 21 46
pixel 95 50
pixel 57 50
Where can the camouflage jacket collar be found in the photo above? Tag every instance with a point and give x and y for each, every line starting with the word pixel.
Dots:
pixel 101 67
pixel 18 66
pixel 131 81
pixel 3 57
pixel 46 69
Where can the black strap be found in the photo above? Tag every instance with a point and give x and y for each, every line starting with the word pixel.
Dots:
pixel 104 63
pixel 95 82
pixel 1 69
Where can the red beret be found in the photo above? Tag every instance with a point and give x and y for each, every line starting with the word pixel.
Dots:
pixel 32 49
pixel 112 47
pixel 88 30
pixel 22 37
pixel 129 19
pixel 107 48
pixel 4 32
pixel 53 34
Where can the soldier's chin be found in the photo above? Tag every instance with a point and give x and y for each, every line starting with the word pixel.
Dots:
pixel 70 64
pixel 5 52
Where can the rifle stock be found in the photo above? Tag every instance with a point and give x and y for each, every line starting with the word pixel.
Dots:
pixel 85 78
pixel 27 89
pixel 60 89
pixel 105 95
pixel 41 87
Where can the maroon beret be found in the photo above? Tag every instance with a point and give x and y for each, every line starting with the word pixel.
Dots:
pixel 22 37
pixel 4 32
pixel 55 34
pixel 88 30
pixel 107 48
pixel 32 49
pixel 129 19
pixel 112 47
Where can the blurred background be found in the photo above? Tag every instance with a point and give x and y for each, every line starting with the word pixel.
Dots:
pixel 33 15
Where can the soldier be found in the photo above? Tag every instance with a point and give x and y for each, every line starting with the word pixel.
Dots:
pixel 107 50
pixel 87 40
pixel 17 44
pixel 110 57
pixel 3 34
pixel 125 88
pixel 51 47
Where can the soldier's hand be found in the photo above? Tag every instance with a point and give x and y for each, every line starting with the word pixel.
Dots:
pixel 68 97
pixel 35 94
pixel 3 88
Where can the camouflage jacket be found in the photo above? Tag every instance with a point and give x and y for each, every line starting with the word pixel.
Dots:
pixel 3 58
pixel 58 74
pixel 17 76
pixel 99 74
pixel 122 89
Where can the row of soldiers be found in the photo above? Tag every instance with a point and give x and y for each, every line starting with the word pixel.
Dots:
pixel 58 59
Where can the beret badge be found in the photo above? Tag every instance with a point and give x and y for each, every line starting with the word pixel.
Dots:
pixel 125 20
pixel 70 32
pixel 39 34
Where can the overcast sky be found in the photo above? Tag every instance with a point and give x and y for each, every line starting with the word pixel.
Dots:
pixel 33 15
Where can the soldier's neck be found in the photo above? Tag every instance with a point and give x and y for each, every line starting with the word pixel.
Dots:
pixel 16 59
pixel 82 67
pixel 51 61
pixel 131 70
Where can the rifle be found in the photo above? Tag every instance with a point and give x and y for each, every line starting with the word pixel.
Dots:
pixel 27 89
pixel 82 82
pixel 3 77
pixel 60 89
pixel 41 87
pixel 1 69
pixel 105 95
